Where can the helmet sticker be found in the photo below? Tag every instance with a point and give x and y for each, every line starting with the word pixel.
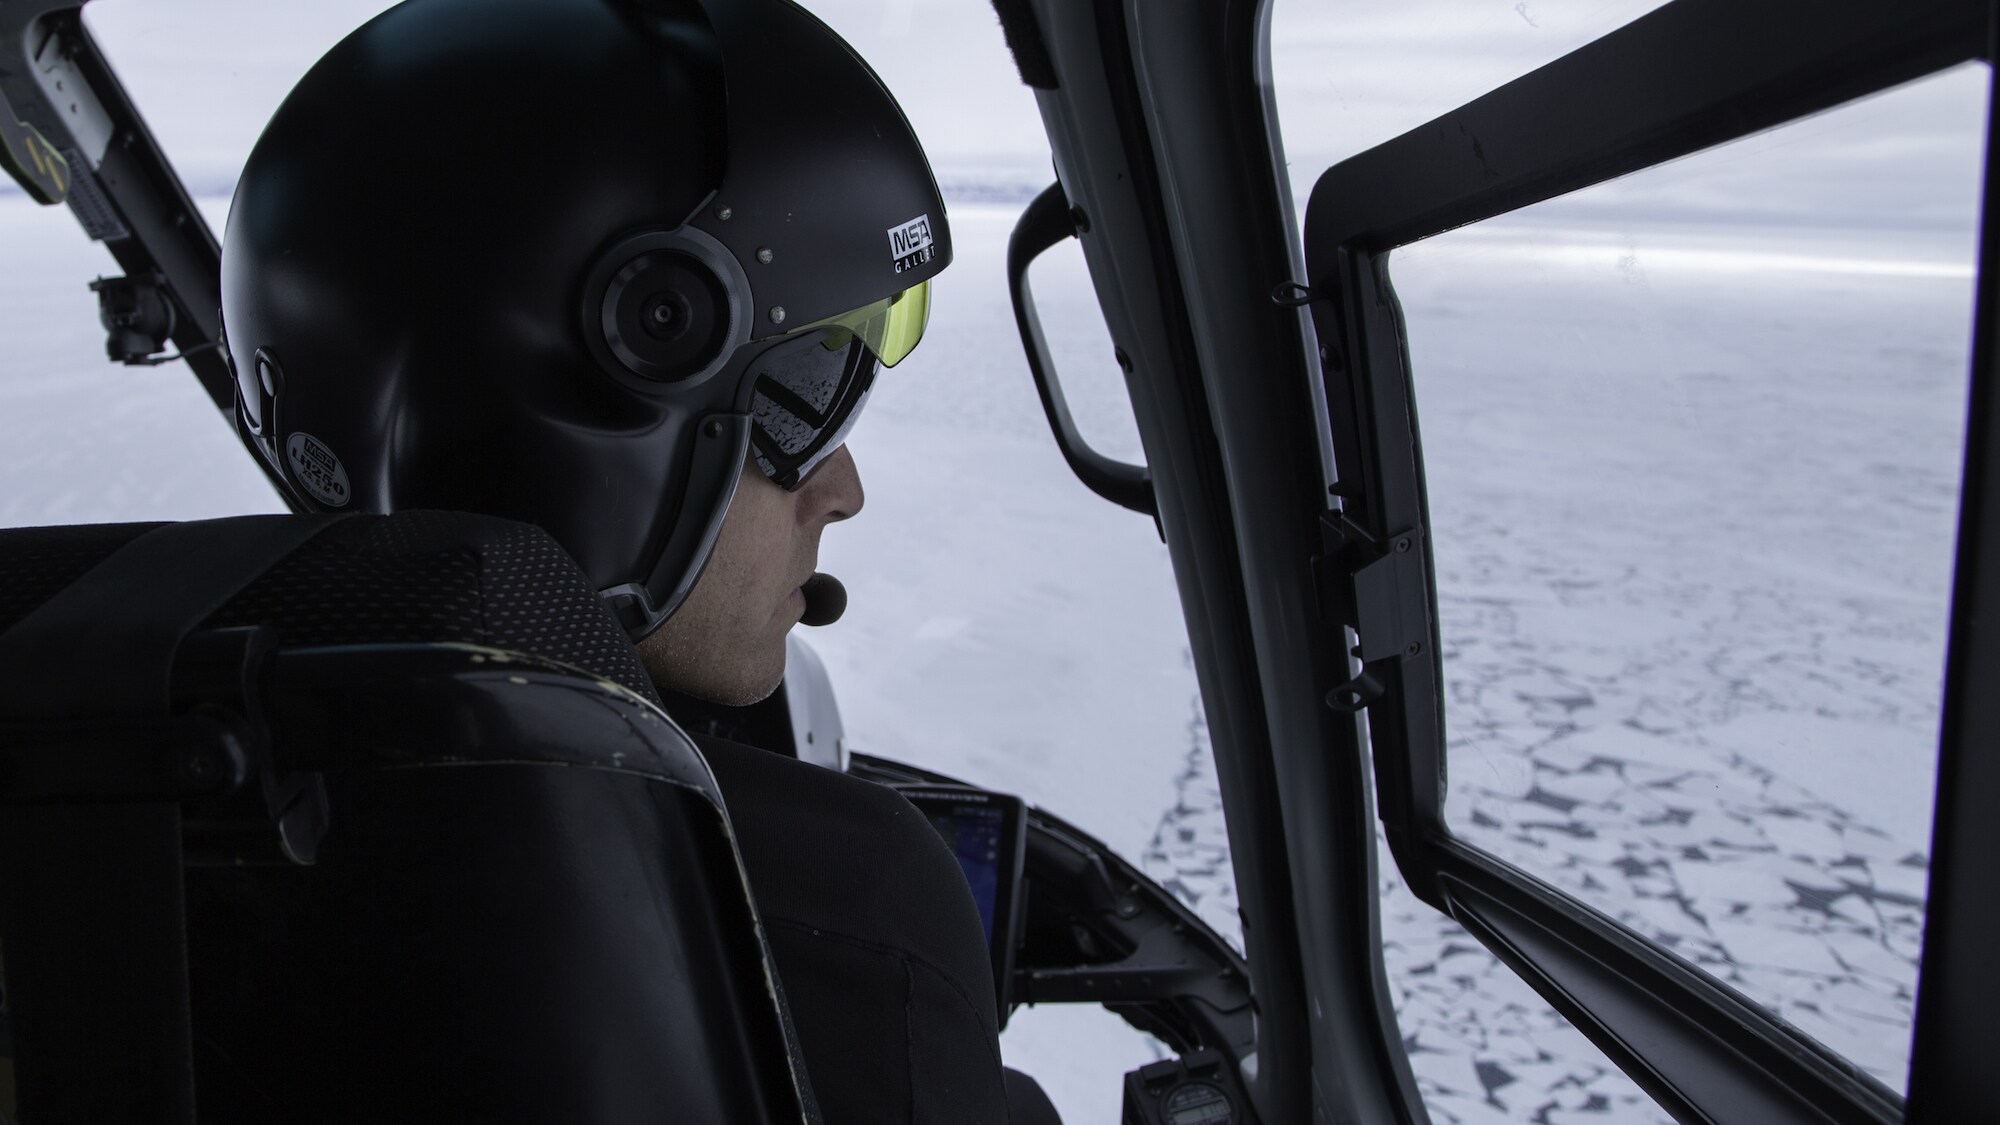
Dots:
pixel 317 470
pixel 910 243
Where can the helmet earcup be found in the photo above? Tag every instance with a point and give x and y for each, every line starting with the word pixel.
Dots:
pixel 664 315
pixel 666 306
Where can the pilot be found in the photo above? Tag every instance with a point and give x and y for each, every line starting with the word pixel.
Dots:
pixel 628 269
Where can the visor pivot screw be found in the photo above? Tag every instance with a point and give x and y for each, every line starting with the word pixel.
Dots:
pixel 777 314
pixel 713 429
pixel 764 254
pixel 723 212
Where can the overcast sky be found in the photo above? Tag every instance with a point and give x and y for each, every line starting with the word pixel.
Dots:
pixel 1350 73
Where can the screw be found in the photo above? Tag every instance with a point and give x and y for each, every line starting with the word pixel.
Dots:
pixel 1413 648
pixel 713 429
pixel 198 765
pixel 764 254
pixel 777 314
pixel 1402 545
pixel 723 212
pixel 1079 220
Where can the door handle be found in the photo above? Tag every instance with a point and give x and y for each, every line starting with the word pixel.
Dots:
pixel 1045 223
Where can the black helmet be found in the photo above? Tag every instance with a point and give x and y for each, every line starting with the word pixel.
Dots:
pixel 571 261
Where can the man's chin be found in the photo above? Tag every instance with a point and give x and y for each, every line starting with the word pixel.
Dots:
pixel 738 687
pixel 757 693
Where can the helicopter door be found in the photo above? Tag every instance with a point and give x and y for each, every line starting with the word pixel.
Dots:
pixel 1616 932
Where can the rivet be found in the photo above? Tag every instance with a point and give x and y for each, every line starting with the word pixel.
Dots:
pixel 764 254
pixel 723 212
pixel 777 314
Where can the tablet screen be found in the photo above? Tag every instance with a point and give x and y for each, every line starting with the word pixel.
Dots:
pixel 985 832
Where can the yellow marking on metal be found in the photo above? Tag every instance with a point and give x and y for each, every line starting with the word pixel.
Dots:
pixel 36 164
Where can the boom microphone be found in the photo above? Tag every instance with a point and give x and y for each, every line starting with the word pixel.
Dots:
pixel 826 600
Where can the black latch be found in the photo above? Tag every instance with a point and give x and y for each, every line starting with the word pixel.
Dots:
pixel 1378 588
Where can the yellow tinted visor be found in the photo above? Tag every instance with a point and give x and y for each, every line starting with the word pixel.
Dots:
pixel 890 327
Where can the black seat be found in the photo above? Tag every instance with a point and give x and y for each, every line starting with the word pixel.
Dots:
pixel 358 820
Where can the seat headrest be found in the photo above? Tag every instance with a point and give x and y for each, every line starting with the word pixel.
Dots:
pixel 408 578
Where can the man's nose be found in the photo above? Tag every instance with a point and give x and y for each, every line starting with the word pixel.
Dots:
pixel 833 492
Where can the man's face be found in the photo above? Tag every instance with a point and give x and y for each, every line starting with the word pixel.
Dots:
pixel 726 643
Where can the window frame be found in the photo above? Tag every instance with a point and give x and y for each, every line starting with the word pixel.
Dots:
pixel 1685 77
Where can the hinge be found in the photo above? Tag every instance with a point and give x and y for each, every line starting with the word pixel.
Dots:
pixel 1376 587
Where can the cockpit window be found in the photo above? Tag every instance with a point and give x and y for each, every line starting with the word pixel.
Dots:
pixel 1691 444
pixel 1693 456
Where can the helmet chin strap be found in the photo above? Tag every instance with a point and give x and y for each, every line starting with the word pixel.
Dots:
pixel 826 600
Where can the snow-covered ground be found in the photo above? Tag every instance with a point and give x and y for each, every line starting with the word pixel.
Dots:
pixel 1693 525
pixel 1694 497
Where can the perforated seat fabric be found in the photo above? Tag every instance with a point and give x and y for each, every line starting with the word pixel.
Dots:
pixel 414 577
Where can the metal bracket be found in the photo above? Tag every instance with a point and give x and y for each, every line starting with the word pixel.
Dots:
pixel 1378 588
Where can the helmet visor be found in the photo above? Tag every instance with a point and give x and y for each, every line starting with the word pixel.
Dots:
pixel 889 327
pixel 805 395
pixel 803 400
